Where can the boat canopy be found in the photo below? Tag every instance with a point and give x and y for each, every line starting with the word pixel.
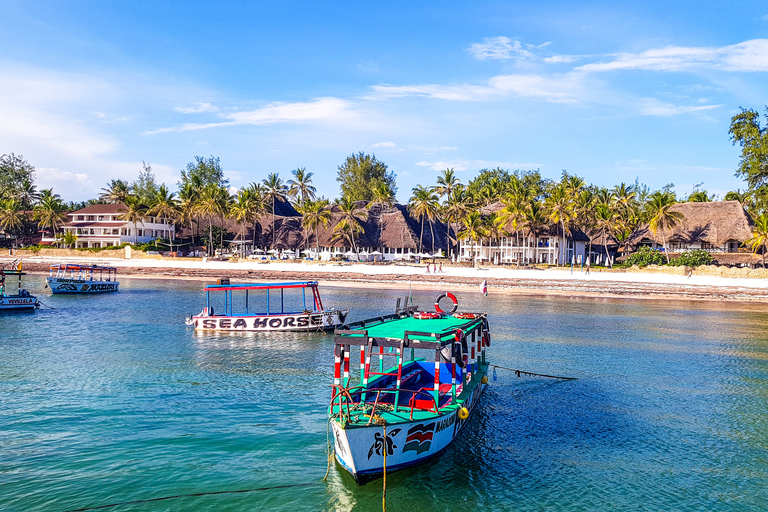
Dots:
pixel 228 290
pixel 70 267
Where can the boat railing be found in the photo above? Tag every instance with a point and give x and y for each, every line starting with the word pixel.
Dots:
pixel 344 396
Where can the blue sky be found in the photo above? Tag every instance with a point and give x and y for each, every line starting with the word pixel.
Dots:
pixel 610 91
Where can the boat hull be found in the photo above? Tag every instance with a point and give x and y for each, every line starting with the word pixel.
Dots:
pixel 359 449
pixel 318 320
pixel 65 285
pixel 18 303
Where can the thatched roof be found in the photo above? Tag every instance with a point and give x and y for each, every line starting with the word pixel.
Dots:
pixel 715 222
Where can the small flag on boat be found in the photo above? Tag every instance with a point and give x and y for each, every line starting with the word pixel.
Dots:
pixel 484 287
pixel 19 266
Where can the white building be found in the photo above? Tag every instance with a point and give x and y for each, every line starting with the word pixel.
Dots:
pixel 99 225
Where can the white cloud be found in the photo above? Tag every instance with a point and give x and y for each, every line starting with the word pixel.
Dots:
pixel 385 145
pixel 319 110
pixel 499 48
pixel 197 108
pixel 559 59
pixel 473 165
pixel 654 107
pixel 747 56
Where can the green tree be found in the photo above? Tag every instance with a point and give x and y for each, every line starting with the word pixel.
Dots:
pixel 244 211
pixel 447 182
pixel 662 217
pixel 384 198
pixel 133 211
pixel 474 229
pixel 212 203
pixel 50 212
pixel 424 205
pixel 315 213
pixel 746 131
pixel 300 188
pixel 274 188
pixel 11 217
pixel 202 172
pixel 145 187
pixel 456 206
pixel 360 173
pixel 559 207
pixel 115 191
pixel 350 221
pixel 14 171
pixel 759 239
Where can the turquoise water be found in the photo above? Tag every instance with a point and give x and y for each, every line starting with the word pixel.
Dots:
pixel 112 399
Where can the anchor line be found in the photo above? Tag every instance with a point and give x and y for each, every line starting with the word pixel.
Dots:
pixel 531 374
pixel 46 305
pixel 197 494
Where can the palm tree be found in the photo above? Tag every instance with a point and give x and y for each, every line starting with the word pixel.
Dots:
pixel 759 238
pixel 350 223
pixel 514 213
pixel 165 206
pixel 495 224
pixel 424 204
pixel 662 217
pixel 27 194
pixel 115 192
pixel 243 210
pixel 447 182
pixel 260 206
pixel 301 187
pixel 535 219
pixel 314 214
pixel 455 209
pixel 605 222
pixel 49 213
pixel 559 206
pixel 384 198
pixel 474 228
pixel 11 217
pixel 133 211
pixel 584 213
pixel 213 201
pixel 746 198
pixel 274 188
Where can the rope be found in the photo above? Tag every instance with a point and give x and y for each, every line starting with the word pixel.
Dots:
pixel 46 305
pixel 384 491
pixel 191 495
pixel 521 372
pixel 328 447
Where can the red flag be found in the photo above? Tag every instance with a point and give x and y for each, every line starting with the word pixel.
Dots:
pixel 484 287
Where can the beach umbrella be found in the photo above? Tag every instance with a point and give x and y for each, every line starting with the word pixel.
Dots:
pixel 273 251
pixel 376 253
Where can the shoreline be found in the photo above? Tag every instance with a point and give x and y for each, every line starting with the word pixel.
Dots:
pixel 562 282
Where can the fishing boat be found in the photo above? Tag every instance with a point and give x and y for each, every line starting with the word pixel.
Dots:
pixel 403 413
pixel 22 300
pixel 257 312
pixel 69 278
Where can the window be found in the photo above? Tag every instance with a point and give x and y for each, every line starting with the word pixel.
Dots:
pixel 101 217
pixel 81 217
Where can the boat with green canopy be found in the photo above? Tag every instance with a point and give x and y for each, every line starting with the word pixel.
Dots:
pixel 22 300
pixel 420 376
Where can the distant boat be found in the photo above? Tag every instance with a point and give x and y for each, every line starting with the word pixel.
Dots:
pixel 22 300
pixel 399 416
pixel 68 278
pixel 309 318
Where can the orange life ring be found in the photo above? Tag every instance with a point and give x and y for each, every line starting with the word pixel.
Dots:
pixel 465 316
pixel 450 296
pixel 426 315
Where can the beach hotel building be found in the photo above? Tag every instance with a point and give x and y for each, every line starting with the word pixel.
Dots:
pixel 99 225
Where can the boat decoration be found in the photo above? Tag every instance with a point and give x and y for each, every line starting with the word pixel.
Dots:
pixel 69 278
pixel 296 315
pixel 420 378
pixel 22 300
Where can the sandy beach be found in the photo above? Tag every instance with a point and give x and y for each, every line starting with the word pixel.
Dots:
pixel 576 282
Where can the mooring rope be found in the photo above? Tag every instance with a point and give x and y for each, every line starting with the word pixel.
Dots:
pixel 150 500
pixel 328 447
pixel 531 374
pixel 46 305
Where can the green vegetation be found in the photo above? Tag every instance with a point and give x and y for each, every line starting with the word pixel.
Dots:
pixel 645 256
pixel 694 258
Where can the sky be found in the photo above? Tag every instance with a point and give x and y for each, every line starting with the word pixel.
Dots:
pixel 610 91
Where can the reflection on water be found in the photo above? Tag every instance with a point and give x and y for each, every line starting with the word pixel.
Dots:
pixel 111 399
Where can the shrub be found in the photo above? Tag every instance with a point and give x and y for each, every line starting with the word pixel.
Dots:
pixel 646 256
pixel 693 258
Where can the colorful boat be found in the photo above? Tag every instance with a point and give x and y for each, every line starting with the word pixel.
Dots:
pixel 294 316
pixel 68 278
pixel 22 300
pixel 398 416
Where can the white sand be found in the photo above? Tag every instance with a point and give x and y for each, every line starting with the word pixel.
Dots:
pixel 511 274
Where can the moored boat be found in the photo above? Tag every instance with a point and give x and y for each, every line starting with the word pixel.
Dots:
pixel 22 300
pixel 69 278
pixel 398 416
pixel 295 316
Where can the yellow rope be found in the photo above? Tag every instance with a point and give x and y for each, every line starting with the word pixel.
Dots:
pixel 328 447
pixel 384 492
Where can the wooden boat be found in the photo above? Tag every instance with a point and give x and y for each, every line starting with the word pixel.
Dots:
pixel 399 416
pixel 22 300
pixel 267 318
pixel 69 278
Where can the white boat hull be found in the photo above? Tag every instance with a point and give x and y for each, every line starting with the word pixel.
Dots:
pixel 317 320
pixel 65 285
pixel 18 303
pixel 360 449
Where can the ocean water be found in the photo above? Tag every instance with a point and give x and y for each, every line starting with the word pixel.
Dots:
pixel 111 401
